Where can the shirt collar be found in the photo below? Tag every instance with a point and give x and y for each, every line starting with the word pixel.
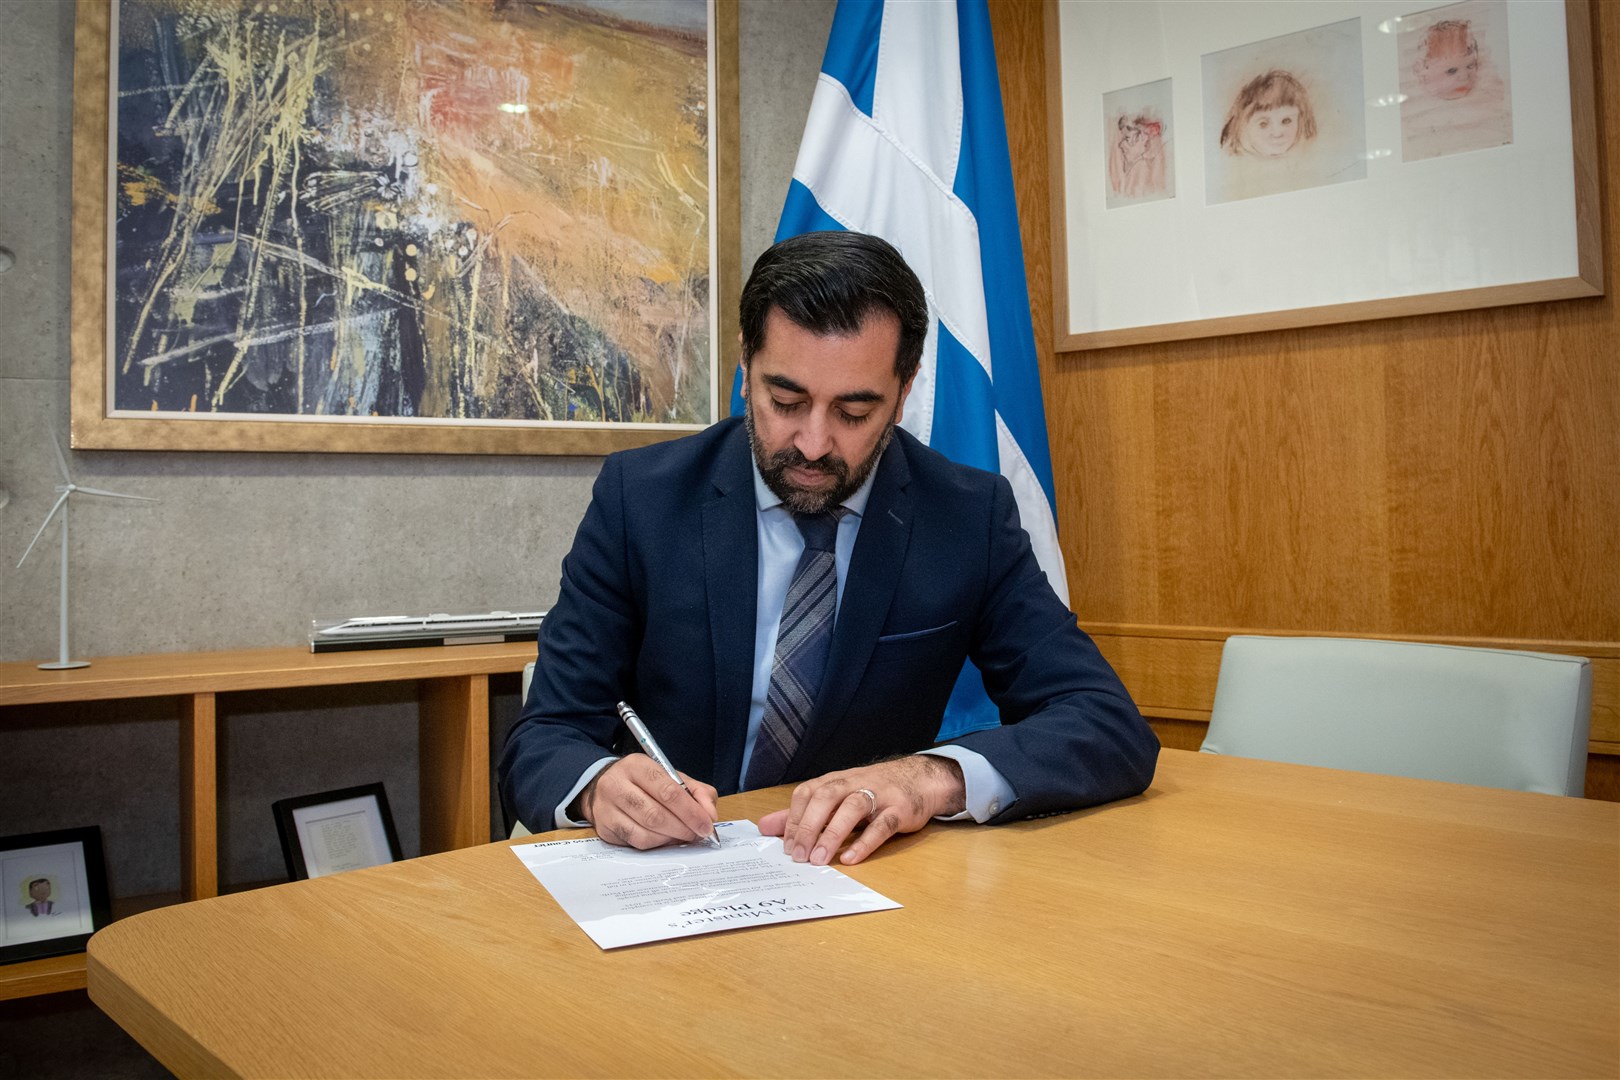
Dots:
pixel 766 499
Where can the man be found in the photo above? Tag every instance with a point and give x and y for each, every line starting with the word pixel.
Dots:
pixel 41 903
pixel 700 589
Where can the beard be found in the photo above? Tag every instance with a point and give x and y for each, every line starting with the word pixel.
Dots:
pixel 799 500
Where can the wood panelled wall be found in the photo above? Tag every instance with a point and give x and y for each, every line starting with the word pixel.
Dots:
pixel 1448 477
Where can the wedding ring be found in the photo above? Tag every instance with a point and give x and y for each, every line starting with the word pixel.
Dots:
pixel 870 794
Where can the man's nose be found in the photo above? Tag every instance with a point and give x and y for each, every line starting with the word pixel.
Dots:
pixel 813 439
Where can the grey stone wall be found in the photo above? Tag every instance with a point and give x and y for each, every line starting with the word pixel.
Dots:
pixel 242 550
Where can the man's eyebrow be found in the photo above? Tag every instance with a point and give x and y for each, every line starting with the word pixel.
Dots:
pixel 782 382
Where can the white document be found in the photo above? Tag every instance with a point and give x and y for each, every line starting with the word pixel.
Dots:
pixel 620 896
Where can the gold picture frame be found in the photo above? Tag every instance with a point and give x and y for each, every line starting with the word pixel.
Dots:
pixel 96 424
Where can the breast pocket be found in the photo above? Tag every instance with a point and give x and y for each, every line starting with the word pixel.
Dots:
pixel 914 644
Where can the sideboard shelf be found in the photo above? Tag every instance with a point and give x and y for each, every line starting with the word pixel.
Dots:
pixel 453 691
pixel 55 973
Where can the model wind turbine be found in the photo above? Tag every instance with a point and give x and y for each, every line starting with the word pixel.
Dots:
pixel 65 491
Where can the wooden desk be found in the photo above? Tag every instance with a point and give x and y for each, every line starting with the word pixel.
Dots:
pixel 1242 917
pixel 453 724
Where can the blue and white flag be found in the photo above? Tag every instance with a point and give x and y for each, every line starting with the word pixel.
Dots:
pixel 906 141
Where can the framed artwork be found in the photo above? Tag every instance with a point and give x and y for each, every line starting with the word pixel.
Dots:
pixel 54 887
pixel 1138 136
pixel 413 226
pixel 1227 168
pixel 347 829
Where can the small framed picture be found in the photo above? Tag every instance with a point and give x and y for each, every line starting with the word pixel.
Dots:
pixel 54 888
pixel 348 829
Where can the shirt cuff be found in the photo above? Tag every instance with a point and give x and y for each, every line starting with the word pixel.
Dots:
pixel 561 820
pixel 987 792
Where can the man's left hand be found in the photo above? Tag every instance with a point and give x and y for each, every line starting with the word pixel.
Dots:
pixel 892 797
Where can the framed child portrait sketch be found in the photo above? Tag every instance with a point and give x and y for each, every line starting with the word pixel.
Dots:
pixel 412 226
pixel 1228 168
pixel 54 889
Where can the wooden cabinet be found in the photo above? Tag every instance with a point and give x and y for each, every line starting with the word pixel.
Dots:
pixel 453 687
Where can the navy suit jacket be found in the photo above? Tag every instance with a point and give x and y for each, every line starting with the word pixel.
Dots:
pixel 657 608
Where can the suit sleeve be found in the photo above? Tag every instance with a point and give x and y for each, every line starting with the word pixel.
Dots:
pixel 1071 736
pixel 585 658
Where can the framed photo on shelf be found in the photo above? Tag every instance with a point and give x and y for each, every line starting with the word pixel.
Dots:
pixel 1228 168
pixel 403 227
pixel 54 886
pixel 347 829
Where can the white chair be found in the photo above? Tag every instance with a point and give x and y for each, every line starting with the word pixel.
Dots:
pixel 518 828
pixel 1493 717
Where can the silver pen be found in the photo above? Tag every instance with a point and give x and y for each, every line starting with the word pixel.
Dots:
pixel 644 737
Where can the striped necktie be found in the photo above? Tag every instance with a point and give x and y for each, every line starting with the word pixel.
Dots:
pixel 802 641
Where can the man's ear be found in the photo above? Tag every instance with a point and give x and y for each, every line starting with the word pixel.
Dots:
pixel 742 368
pixel 900 405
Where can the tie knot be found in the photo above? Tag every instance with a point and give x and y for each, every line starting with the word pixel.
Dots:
pixel 819 530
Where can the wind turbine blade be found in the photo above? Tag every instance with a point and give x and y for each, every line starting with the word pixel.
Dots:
pixel 111 494
pixel 61 459
pixel 59 501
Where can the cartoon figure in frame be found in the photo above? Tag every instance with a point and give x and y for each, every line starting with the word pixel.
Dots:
pixel 1138 129
pixel 1136 159
pixel 1454 80
pixel 1270 116
pixel 39 897
pixel 1284 114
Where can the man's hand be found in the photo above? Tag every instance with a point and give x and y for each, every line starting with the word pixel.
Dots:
pixel 634 803
pixel 905 795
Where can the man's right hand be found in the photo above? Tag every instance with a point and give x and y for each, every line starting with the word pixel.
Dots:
pixel 634 803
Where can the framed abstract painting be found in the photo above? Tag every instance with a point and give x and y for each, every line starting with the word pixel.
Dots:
pixel 423 226
pixel 1228 168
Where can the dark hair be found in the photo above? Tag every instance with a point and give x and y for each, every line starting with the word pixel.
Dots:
pixel 1272 90
pixel 828 283
pixel 37 880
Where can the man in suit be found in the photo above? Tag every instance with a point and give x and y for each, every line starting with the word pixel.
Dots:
pixel 39 890
pixel 790 596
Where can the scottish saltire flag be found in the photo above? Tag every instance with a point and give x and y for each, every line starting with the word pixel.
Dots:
pixel 906 140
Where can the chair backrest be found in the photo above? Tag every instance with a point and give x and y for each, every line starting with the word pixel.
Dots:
pixel 1494 717
pixel 518 828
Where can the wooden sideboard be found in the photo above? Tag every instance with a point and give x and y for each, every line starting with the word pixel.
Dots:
pixel 453 685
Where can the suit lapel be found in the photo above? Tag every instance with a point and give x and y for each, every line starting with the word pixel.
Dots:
pixel 730 570
pixel 869 588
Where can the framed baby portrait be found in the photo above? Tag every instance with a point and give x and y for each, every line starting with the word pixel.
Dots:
pixel 1227 168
